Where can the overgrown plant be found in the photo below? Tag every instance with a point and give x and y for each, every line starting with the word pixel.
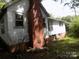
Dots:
pixel 74 27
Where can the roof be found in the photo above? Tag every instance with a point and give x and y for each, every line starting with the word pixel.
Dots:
pixel 56 19
pixel 44 10
pixel 4 8
pixel 11 3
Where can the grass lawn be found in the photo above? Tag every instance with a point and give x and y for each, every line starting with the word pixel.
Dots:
pixel 65 49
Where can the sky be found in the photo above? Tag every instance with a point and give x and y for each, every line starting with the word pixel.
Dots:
pixel 58 9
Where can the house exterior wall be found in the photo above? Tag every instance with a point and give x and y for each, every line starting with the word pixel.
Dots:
pixel 46 34
pixel 7 1
pixel 16 34
pixel 60 36
pixel 58 29
pixel 3 30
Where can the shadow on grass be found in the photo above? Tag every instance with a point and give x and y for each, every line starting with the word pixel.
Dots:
pixel 65 49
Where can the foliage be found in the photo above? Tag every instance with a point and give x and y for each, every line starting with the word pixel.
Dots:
pixel 2 4
pixel 74 27
pixel 67 21
pixel 73 4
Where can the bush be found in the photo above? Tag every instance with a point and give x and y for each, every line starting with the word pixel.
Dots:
pixel 74 27
pixel 67 21
pixel 1 4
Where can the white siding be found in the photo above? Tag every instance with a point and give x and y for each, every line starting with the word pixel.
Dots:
pixel 57 29
pixel 7 1
pixel 17 34
pixel 46 34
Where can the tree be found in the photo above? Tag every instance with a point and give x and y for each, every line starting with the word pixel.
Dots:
pixel 67 21
pixel 74 27
pixel 36 24
pixel 73 4
pixel 1 4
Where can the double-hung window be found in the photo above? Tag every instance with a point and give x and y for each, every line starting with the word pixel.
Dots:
pixel 19 20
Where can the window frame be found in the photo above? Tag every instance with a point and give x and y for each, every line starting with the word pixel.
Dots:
pixel 60 23
pixel 50 25
pixel 18 21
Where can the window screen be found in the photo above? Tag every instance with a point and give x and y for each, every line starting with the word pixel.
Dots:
pixel 60 24
pixel 19 20
pixel 50 25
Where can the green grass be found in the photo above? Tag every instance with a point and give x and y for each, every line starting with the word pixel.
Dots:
pixel 70 40
pixel 67 47
pixel 64 49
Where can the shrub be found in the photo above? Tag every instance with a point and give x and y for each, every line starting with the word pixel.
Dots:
pixel 74 27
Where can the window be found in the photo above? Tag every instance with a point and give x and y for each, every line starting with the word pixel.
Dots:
pixel 2 26
pixel 18 20
pixel 44 24
pixel 60 24
pixel 50 25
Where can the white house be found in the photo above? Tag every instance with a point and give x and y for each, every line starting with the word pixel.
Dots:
pixel 52 27
pixel 56 27
pixel 45 21
pixel 14 27
pixel 14 23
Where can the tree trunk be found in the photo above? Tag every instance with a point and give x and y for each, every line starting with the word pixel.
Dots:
pixel 74 11
pixel 35 24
